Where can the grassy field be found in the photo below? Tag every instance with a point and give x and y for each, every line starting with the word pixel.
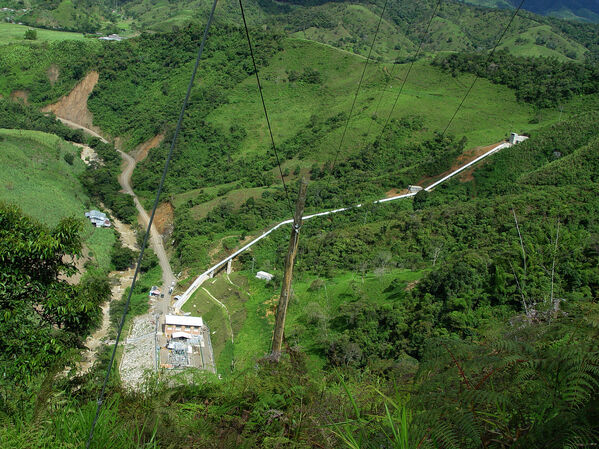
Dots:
pixel 12 33
pixel 542 41
pixel 252 303
pixel 36 177
pixel 489 114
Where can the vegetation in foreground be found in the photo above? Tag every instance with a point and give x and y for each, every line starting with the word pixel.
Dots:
pixel 467 318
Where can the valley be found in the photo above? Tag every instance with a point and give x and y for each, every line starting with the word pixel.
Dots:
pixel 445 286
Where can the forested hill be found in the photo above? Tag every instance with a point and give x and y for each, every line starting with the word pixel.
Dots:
pixel 348 25
pixel 586 10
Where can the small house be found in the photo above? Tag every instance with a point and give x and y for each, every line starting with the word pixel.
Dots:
pixel 414 189
pixel 264 276
pixel 176 326
pixel 515 138
pixel 98 219
pixel 154 291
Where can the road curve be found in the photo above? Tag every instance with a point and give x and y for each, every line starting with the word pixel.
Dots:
pixel 155 239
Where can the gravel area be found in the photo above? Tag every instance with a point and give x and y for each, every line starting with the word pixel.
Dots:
pixel 139 352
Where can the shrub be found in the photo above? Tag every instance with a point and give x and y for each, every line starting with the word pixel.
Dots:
pixel 30 35
pixel 69 158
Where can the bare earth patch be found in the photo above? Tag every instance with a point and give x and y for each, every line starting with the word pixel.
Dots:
pixel 73 107
pixel 165 215
pixel 53 73
pixel 141 152
pixel 20 95
pixel 463 159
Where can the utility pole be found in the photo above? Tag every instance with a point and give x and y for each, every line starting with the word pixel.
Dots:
pixel 277 339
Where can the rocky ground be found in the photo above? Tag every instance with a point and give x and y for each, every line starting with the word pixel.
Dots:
pixel 140 351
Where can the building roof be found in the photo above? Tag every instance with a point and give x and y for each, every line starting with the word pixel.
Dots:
pixel 178 320
pixel 182 335
pixel 96 214
pixel 264 275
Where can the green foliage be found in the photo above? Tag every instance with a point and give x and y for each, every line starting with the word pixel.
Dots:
pixel 122 257
pixel 43 316
pixel 26 67
pixel 69 158
pixel 544 82
pixel 30 35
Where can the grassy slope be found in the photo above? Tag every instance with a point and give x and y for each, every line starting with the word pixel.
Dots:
pixel 35 176
pixel 563 46
pixel 11 33
pixel 489 114
pixel 351 26
pixel 251 304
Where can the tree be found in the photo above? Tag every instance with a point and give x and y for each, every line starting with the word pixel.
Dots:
pixel 42 316
pixel 30 35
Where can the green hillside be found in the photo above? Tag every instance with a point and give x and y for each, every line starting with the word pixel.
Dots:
pixel 581 10
pixel 37 177
pixel 466 317
pixel 459 26
pixel 11 33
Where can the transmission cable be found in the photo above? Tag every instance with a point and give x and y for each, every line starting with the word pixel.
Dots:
pixel 486 65
pixel 149 227
pixel 272 140
pixel 410 68
pixel 378 105
pixel 359 86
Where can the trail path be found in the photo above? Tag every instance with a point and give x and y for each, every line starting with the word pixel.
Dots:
pixel 120 280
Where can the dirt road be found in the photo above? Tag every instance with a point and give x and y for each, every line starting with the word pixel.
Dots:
pixel 155 239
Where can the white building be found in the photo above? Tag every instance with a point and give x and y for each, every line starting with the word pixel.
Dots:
pixel 264 275
pixel 176 326
pixel 515 138
pixel 98 219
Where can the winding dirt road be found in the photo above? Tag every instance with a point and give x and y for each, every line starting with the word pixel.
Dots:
pixel 155 239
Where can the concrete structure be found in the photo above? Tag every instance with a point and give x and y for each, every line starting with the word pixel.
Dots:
pixel 515 138
pixel 414 189
pixel 175 324
pixel 264 275
pixel 184 297
pixel 98 219
pixel 111 37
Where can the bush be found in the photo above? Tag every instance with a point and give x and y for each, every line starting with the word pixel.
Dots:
pixel 30 35
pixel 69 158
pixel 121 256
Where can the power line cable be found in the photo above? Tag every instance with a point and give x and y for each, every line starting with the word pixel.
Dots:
pixel 247 33
pixel 359 85
pixel 378 105
pixel 410 68
pixel 393 70
pixel 147 234
pixel 486 64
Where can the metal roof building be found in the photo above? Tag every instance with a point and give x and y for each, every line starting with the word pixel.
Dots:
pixel 178 320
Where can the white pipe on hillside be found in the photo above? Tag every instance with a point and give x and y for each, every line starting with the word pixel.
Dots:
pixel 207 274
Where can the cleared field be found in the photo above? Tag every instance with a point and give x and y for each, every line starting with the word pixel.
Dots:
pixel 11 33
pixel 489 114
pixel 542 41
